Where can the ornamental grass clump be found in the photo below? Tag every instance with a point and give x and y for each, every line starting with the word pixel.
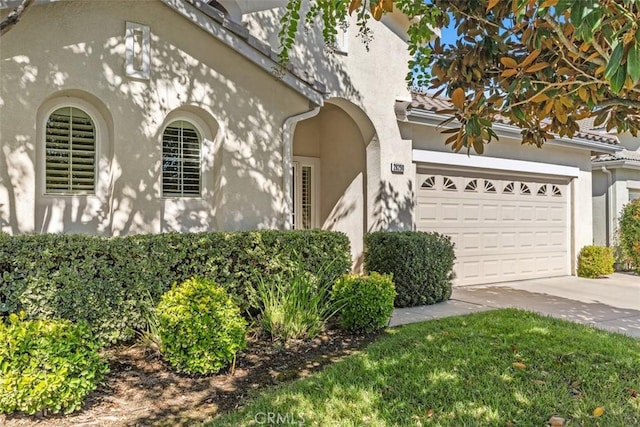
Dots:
pixel 200 327
pixel 294 305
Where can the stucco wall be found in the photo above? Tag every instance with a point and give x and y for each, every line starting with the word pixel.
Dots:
pixel 599 200
pixel 370 81
pixel 82 56
pixel 581 234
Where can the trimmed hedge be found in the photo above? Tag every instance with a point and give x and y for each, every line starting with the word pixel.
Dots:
pixel 595 261
pixel 630 232
pixel 421 264
pixel 108 282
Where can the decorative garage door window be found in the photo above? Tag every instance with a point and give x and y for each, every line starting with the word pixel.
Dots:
pixel 503 228
pixel 429 183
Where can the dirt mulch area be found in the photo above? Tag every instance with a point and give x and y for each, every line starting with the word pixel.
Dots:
pixel 141 390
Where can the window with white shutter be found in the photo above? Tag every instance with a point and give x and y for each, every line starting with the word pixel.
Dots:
pixel 70 152
pixel 181 145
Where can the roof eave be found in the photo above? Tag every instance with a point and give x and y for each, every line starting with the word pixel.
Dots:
pixel 429 118
pixel 616 164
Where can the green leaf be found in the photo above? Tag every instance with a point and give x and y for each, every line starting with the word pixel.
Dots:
pixel 633 63
pixel 517 111
pixel 617 81
pixel 614 61
pixel 564 5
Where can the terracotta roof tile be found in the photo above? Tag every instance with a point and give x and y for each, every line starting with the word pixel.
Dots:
pixel 633 156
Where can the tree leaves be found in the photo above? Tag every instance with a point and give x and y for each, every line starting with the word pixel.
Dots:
pixel 508 62
pixel 633 63
pixel 458 97
pixel 551 63
pixel 614 61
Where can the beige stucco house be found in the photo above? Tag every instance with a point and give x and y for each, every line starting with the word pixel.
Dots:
pixel 121 117
pixel 616 181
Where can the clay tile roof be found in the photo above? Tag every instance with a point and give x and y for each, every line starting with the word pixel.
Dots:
pixel 426 102
pixel 633 156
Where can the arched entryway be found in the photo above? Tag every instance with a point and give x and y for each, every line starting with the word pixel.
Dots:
pixel 330 170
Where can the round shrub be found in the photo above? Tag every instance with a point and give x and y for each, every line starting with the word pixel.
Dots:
pixel 421 264
pixel 367 301
pixel 200 327
pixel 47 365
pixel 595 261
pixel 630 232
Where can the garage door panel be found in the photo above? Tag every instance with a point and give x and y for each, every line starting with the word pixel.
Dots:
pixel 502 229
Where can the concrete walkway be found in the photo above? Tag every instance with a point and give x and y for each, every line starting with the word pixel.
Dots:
pixel 611 304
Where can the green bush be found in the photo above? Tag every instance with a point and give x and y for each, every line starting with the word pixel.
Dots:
pixel 294 305
pixel 630 232
pixel 368 301
pixel 47 365
pixel 595 261
pixel 106 281
pixel 200 327
pixel 421 264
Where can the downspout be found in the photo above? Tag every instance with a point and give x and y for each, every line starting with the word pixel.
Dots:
pixel 288 129
pixel 608 205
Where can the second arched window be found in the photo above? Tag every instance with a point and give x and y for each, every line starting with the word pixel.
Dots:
pixel 181 160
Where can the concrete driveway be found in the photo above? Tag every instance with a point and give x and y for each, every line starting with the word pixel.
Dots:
pixel 612 304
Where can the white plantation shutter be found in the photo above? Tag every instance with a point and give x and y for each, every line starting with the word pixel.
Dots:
pixel 70 152
pixel 181 160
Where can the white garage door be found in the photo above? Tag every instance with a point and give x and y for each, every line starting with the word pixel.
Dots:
pixel 503 228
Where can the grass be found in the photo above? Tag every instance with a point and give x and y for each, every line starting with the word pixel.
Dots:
pixel 460 372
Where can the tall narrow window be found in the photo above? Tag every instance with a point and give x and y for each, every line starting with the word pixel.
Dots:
pixel 138 51
pixel 70 152
pixel 181 160
pixel 306 174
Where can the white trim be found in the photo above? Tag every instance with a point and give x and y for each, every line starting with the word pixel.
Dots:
pixel 616 164
pixel 342 39
pixel 206 138
pixel 100 129
pixel 143 55
pixel 494 163
pixel 633 185
pixel 314 164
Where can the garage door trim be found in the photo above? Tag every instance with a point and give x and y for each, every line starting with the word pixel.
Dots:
pixel 493 163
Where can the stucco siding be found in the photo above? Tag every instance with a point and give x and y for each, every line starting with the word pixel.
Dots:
pixel 240 108
pixel 371 81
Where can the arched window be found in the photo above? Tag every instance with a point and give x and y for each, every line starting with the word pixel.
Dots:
pixel 181 160
pixel 70 152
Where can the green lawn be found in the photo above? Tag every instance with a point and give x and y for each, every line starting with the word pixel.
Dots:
pixel 460 372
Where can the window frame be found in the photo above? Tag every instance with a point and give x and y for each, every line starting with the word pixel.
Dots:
pixel 51 107
pixel 296 203
pixel 199 127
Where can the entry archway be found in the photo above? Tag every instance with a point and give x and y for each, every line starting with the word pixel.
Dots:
pixel 330 172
